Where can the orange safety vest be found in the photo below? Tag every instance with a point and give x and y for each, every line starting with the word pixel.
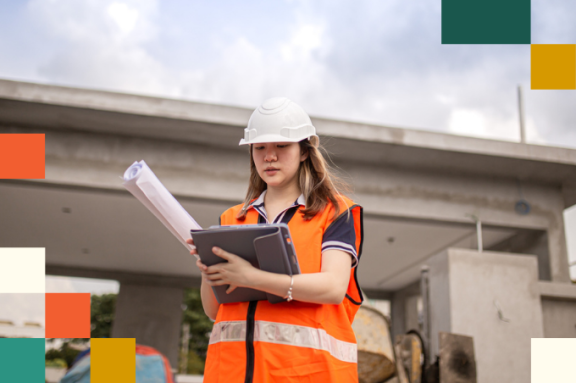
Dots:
pixel 259 342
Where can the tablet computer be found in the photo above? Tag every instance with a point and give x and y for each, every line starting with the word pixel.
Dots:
pixel 268 247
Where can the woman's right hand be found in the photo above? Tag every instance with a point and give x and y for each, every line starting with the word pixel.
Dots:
pixel 190 241
pixel 199 263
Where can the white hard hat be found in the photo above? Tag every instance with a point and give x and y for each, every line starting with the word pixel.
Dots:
pixel 278 120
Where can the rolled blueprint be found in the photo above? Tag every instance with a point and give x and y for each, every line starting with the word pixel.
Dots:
pixel 141 181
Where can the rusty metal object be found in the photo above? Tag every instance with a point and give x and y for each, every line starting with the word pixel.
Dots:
pixel 457 362
pixel 376 361
pixel 401 375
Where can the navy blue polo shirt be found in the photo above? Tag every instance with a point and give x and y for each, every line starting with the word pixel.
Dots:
pixel 340 235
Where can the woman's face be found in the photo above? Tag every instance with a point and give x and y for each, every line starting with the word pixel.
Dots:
pixel 277 162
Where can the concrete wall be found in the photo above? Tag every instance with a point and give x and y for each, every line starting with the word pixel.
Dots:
pixel 403 316
pixel 439 298
pixel 152 315
pixel 559 318
pixel 558 309
pixel 493 297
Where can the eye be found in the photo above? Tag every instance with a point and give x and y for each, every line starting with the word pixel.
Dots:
pixel 258 147
pixel 281 146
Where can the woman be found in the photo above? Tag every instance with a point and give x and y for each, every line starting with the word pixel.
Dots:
pixel 309 336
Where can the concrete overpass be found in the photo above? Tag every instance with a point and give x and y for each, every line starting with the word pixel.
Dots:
pixel 418 189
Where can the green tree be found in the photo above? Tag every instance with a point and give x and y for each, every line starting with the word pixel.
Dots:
pixel 102 315
pixel 65 354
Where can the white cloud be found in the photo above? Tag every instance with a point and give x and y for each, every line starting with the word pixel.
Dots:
pixel 305 39
pixel 467 121
pixel 379 62
pixel 102 44
pixel 124 16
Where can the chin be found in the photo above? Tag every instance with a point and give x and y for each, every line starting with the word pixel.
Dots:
pixel 272 183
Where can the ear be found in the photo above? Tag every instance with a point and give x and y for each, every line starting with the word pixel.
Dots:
pixel 304 155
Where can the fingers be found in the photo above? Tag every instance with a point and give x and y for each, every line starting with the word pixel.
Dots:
pixel 212 277
pixel 215 280
pixel 190 241
pixel 223 254
pixel 200 265
pixel 230 289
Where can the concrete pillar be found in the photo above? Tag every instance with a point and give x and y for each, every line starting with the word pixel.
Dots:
pixel 494 298
pixel 152 315
pixel 404 314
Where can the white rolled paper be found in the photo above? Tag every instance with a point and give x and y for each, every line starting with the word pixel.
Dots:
pixel 141 181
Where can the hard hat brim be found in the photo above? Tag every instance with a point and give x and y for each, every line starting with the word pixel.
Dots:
pixel 272 138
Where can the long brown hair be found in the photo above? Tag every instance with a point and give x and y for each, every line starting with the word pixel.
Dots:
pixel 317 182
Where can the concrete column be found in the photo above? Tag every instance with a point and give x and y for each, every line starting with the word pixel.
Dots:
pixel 403 316
pixel 494 298
pixel 152 315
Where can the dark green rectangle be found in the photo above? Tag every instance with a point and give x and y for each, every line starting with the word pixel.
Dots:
pixel 22 360
pixel 485 21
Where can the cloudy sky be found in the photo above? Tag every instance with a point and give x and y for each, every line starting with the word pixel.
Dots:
pixel 372 61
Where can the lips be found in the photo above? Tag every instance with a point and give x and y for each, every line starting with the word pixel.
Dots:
pixel 270 170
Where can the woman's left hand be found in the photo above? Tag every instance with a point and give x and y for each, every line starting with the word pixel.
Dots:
pixel 236 272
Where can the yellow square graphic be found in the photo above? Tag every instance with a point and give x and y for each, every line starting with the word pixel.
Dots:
pixel 553 66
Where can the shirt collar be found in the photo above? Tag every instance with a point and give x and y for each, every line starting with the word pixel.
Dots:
pixel 259 202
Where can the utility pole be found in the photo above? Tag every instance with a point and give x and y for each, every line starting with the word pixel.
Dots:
pixel 521 114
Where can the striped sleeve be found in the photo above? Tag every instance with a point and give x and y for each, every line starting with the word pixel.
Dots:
pixel 341 235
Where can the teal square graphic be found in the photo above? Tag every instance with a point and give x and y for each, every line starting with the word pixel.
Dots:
pixel 22 360
pixel 486 22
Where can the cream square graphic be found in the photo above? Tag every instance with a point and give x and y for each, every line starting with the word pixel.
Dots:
pixel 553 360
pixel 22 270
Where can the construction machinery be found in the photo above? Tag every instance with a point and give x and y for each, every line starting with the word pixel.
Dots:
pixel 380 360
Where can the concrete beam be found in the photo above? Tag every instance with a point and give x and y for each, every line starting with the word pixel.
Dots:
pixel 569 194
pixel 90 99
pixel 551 290
pixel 53 107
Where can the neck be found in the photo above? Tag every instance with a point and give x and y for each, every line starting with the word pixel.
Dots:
pixel 287 194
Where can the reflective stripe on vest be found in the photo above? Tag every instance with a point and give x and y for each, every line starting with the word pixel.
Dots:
pixel 282 333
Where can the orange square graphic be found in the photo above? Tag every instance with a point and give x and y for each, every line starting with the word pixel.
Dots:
pixel 67 315
pixel 553 66
pixel 22 156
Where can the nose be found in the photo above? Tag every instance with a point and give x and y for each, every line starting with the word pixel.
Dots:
pixel 270 154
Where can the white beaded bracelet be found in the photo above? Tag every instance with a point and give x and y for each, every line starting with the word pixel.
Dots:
pixel 288 297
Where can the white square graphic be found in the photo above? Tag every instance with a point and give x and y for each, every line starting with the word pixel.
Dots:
pixel 22 270
pixel 553 360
